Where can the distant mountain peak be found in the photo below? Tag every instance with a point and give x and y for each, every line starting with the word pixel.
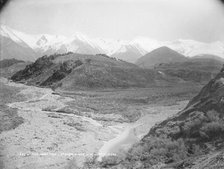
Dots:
pixel 164 48
pixel 8 32
pixel 139 46
pixel 160 55
pixel 80 36
pixel 43 40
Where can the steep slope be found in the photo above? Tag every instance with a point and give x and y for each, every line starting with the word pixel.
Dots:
pixel 82 44
pixel 49 44
pixel 74 71
pixel 158 56
pixel 197 69
pixel 13 47
pixel 147 44
pixel 10 49
pixel 190 139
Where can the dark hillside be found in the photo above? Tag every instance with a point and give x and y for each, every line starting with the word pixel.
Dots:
pixel 76 71
pixel 160 55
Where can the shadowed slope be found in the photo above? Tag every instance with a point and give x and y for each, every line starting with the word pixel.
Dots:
pixel 74 71
pixel 160 55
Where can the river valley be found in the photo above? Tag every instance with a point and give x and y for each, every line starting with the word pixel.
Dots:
pixel 50 139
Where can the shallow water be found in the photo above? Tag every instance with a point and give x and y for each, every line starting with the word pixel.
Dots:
pixel 133 132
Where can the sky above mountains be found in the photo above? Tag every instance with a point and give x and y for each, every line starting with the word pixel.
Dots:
pixel 201 20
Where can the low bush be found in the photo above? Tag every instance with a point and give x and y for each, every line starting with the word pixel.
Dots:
pixel 197 134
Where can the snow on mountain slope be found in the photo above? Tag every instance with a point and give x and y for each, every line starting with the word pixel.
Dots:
pixel 9 33
pixel 109 46
pixel 80 43
pixel 129 53
pixel 12 46
pixel 50 44
pixel 121 49
pixel 146 43
pixel 188 48
pixel 124 48
pixel 9 49
pixel 6 32
pixel 45 44
pixel 30 40
pixel 192 48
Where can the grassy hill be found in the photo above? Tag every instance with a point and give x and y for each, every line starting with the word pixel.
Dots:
pixel 195 69
pixel 77 71
pixel 208 56
pixel 9 62
pixel 160 55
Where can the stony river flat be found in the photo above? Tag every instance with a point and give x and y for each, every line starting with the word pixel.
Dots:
pixel 53 133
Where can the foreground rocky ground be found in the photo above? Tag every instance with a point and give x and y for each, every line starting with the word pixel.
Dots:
pixel 47 139
pixel 55 135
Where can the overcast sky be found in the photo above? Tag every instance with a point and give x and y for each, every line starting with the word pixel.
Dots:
pixel 201 20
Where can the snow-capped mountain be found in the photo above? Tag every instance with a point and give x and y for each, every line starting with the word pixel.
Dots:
pixel 129 53
pixel 192 48
pixel 109 46
pixel 80 43
pixel 12 46
pixel 147 44
pixel 45 44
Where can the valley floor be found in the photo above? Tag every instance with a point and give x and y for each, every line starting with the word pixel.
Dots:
pixel 61 130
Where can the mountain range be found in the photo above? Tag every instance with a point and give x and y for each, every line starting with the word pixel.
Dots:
pixel 23 46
